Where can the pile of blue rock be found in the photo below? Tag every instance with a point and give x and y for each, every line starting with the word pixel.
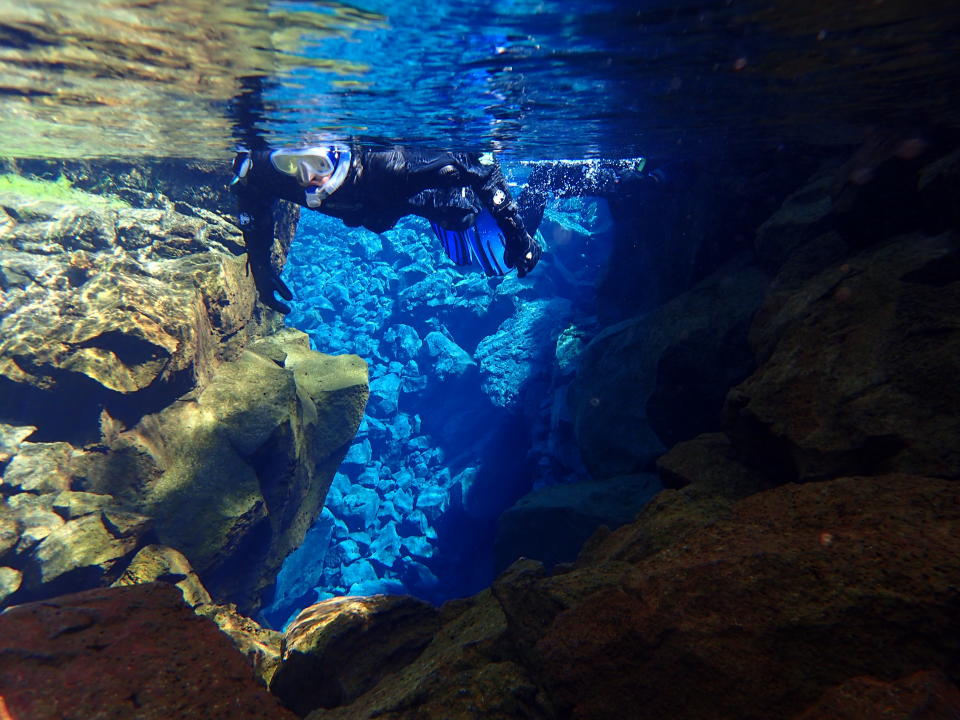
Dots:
pixel 467 399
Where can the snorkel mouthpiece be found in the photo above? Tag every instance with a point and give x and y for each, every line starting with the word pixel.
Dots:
pixel 319 170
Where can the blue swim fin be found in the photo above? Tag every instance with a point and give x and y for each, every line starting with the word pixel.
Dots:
pixel 455 243
pixel 483 243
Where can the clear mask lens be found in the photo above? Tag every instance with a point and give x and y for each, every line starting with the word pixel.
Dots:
pixel 303 163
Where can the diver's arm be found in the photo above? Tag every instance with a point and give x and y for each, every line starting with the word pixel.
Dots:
pixel 257 224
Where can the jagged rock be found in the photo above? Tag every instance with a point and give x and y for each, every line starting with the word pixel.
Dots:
pixel 462 674
pixel 829 569
pixel 71 504
pixel 135 651
pixel 924 695
pixel 551 524
pixel 34 520
pixel 338 649
pixel 619 370
pixel 9 529
pixel 803 216
pixel 40 468
pixel 158 562
pixel 103 321
pixel 755 615
pixel 235 474
pixel 81 553
pixel 260 646
pixel 448 360
pixel 521 348
pixel 710 462
pixel 10 579
pixel 858 368
pixel 10 438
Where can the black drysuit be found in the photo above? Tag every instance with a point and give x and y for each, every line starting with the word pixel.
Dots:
pixel 382 186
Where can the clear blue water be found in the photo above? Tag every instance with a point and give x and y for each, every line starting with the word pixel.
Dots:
pixel 468 374
pixel 532 79
pixel 543 79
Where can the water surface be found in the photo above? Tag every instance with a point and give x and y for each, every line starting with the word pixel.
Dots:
pixel 531 78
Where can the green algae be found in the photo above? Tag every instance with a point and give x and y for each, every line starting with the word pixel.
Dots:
pixel 59 191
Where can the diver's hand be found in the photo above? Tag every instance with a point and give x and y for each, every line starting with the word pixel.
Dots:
pixel 268 283
pixel 523 253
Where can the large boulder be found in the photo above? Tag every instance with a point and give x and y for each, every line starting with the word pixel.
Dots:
pixel 190 422
pixel 756 614
pixel 340 648
pixel 859 367
pixel 552 524
pixel 625 368
pixel 112 307
pixel 235 474
pixel 134 651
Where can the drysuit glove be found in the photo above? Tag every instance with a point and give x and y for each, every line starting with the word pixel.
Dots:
pixel 523 253
pixel 267 283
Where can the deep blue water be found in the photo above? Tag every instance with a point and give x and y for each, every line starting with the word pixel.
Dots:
pixel 467 406
pixel 468 374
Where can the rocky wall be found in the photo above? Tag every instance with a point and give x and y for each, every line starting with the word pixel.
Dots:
pixel 146 398
pixel 802 561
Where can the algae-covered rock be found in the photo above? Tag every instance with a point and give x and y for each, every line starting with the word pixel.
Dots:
pixel 236 473
pixel 83 552
pixel 40 468
pixel 107 306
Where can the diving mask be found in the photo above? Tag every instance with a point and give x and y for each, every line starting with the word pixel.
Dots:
pixel 321 170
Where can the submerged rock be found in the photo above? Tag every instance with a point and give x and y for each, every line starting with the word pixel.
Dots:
pixel 338 649
pixel 134 651
pixel 552 524
pixel 622 419
pixel 756 615
pixel 860 367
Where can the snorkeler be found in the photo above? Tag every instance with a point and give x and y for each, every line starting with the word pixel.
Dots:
pixel 374 189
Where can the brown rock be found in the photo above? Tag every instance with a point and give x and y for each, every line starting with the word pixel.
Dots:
pixel 551 524
pixel 925 695
pixel 121 653
pixel 711 463
pixel 754 615
pixel 860 369
pixel 338 649
pixel 757 615
pixel 619 370
pixel 260 646
pixel 466 672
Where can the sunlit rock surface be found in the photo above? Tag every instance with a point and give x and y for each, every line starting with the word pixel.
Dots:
pixel 148 400
pixel 111 307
